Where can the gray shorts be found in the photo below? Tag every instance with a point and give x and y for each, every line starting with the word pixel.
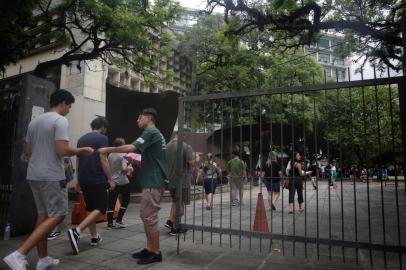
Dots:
pixel 51 197
pixel 236 182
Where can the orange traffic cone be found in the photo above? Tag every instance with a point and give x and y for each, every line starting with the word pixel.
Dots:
pixel 261 221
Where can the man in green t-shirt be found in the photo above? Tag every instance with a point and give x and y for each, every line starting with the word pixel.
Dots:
pixel 153 176
pixel 237 173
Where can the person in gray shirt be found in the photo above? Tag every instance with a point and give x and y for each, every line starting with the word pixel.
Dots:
pixel 189 161
pixel 47 142
pixel 119 169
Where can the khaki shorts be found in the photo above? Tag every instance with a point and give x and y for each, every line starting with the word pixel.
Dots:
pixel 51 197
pixel 236 182
pixel 150 206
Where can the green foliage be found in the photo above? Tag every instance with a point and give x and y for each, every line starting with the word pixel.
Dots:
pixel 16 15
pixel 128 33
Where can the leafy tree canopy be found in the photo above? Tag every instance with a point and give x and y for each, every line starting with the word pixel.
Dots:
pixel 370 27
pixel 130 33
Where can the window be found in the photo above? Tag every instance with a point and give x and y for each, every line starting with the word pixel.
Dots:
pixel 324 43
pixel 324 58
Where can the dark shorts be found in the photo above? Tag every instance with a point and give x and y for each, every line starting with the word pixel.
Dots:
pixel 96 197
pixel 273 186
pixel 185 195
pixel 210 185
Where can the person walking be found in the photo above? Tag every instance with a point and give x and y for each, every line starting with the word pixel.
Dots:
pixel 333 175
pixel 69 172
pixel 47 142
pixel 120 169
pixel 153 176
pixel 296 174
pixel 237 172
pixel 94 179
pixel 272 179
pixel 189 161
pixel 210 172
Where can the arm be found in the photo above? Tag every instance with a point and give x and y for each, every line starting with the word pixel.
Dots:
pixel 28 150
pixel 127 148
pixel 106 169
pixel 63 149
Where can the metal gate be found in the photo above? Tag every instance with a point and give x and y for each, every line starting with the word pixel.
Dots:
pixel 356 126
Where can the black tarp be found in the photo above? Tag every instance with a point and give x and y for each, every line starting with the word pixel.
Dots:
pixel 123 107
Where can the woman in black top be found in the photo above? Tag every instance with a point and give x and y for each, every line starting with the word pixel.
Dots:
pixel 272 179
pixel 296 174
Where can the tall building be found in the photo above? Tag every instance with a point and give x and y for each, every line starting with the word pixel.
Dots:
pixel 323 52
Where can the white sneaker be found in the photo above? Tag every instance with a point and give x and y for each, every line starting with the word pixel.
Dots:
pixel 16 261
pixel 46 263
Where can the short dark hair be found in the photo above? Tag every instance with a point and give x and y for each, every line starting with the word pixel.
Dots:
pixel 99 122
pixel 118 142
pixel 150 112
pixel 236 153
pixel 59 96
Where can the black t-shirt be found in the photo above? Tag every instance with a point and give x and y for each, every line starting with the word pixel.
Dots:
pixel 272 171
pixel 90 171
pixel 313 169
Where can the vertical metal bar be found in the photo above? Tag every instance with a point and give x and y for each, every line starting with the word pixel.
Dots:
pixel 305 179
pixel 317 177
pixel 203 192
pixel 271 149
pixel 251 152
pixel 354 176
pixel 240 124
pixel 396 172
pixel 365 147
pixel 221 157
pixel 260 161
pixel 329 180
pixel 341 170
pixel 294 173
pixel 213 121
pixel 282 166
pixel 230 151
pixel 380 167
pixel 179 166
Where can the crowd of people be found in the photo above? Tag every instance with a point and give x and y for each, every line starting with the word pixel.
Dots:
pixel 103 174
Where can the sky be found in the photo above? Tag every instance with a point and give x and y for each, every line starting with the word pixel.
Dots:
pixel 198 4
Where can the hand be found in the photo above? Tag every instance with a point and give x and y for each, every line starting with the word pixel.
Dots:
pixel 86 150
pixel 77 188
pixel 112 184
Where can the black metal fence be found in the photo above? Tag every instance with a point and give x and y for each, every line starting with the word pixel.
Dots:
pixel 9 107
pixel 353 128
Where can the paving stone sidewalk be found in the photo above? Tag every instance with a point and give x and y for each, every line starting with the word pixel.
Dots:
pixel 118 245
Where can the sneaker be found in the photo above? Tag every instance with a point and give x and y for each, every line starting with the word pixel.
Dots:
pixel 111 226
pixel 233 203
pixel 141 254
pixel 74 240
pixel 273 207
pixel 169 224
pixel 120 225
pixel 16 261
pixel 96 240
pixel 53 235
pixel 152 258
pixel 46 263
pixel 208 207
